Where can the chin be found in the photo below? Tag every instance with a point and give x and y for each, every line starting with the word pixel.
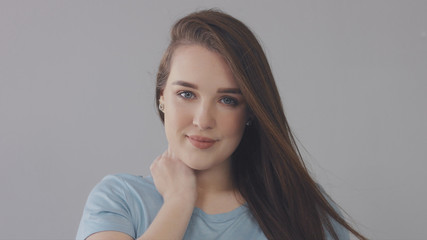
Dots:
pixel 207 164
pixel 198 165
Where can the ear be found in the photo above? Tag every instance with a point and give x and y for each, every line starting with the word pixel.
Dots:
pixel 162 98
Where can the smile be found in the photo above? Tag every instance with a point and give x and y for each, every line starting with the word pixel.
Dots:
pixel 201 142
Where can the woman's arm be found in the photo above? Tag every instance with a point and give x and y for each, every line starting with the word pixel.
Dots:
pixel 171 222
pixel 176 182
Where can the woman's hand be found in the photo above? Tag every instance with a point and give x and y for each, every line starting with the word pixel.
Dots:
pixel 173 179
pixel 176 182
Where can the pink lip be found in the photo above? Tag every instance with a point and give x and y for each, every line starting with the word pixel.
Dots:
pixel 201 142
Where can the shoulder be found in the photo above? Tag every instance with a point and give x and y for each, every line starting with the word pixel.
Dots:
pixel 124 190
pixel 122 179
pixel 123 186
pixel 120 202
pixel 126 184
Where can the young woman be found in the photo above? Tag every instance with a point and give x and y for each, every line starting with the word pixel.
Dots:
pixel 232 169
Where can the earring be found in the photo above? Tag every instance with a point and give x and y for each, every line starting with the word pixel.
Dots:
pixel 249 123
pixel 161 107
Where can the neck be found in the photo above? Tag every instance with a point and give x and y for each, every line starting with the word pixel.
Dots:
pixel 215 191
pixel 216 179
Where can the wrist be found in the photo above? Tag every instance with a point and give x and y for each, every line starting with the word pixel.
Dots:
pixel 180 199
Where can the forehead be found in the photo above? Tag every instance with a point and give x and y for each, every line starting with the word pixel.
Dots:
pixel 201 66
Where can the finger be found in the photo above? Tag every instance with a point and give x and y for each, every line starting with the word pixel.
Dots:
pixel 169 151
pixel 152 166
pixel 161 157
pixel 154 163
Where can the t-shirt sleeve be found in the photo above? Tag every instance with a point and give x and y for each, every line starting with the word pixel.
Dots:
pixel 107 209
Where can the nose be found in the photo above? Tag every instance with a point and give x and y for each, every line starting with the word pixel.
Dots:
pixel 204 117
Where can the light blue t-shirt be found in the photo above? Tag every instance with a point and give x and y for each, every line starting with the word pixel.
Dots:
pixel 128 204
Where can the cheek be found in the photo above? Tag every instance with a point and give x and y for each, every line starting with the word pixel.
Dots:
pixel 233 125
pixel 177 117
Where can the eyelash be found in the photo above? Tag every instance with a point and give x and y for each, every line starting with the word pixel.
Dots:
pixel 234 102
pixel 182 93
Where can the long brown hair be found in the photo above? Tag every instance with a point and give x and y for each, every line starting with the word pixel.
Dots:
pixel 267 167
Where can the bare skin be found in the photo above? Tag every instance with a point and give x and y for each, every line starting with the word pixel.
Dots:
pixel 182 189
pixel 208 104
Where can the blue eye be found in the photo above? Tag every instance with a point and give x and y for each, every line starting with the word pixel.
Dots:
pixel 186 95
pixel 229 101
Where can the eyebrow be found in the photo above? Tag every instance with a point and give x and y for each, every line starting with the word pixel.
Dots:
pixel 184 84
pixel 220 90
pixel 229 90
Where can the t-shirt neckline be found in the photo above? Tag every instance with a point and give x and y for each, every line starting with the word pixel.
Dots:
pixel 221 217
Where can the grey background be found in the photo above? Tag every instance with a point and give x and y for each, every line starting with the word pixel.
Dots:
pixel 77 89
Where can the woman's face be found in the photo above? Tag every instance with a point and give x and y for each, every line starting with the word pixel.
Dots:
pixel 204 111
